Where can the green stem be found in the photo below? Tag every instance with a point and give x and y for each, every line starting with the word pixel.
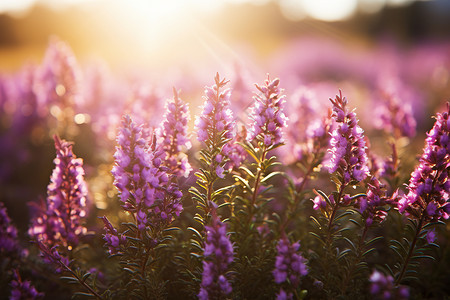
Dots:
pixel 83 283
pixel 256 185
pixel 411 250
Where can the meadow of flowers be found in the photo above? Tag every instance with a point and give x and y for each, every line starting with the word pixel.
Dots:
pixel 329 180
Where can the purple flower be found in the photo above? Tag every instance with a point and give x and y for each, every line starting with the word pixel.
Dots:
pixel 348 148
pixel 218 256
pixel 382 287
pixel 52 257
pixel 173 136
pixel 393 114
pixel 370 206
pixel 60 221
pixel 8 233
pixel 113 239
pixel 143 183
pixel 23 289
pixel 57 84
pixel 319 203
pixel 216 118
pixel 431 236
pixel 290 265
pixel 267 114
pixel 215 126
pixel 429 188
pixel 282 295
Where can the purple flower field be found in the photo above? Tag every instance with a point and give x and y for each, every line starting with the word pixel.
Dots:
pixel 326 179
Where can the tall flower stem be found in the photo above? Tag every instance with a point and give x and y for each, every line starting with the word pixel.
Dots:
pixel 411 250
pixel 260 172
pixel 334 211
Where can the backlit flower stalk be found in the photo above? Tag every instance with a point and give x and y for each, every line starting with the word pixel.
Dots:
pixel 174 137
pixel 429 186
pixel 215 129
pixel 149 194
pixel 348 151
pixel 113 239
pixel 57 83
pixel 61 221
pixel 142 181
pixel 218 255
pixel 266 132
pixel 290 266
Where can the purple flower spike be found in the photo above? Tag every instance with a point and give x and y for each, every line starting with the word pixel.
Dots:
pixel 216 118
pixel 57 81
pixel 394 115
pixel 23 289
pixel 370 206
pixel 429 187
pixel 113 239
pixel 382 287
pixel 267 114
pixel 173 136
pixel 60 223
pixel 141 179
pixel 348 148
pixel 215 126
pixel 8 233
pixel 218 256
pixel 290 265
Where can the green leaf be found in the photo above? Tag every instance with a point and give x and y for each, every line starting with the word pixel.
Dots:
pixel 82 295
pixel 85 276
pixel 272 174
pixel 249 173
pixel 195 232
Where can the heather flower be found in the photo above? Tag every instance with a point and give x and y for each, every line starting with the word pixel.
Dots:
pixel 290 266
pixel 218 256
pixel 319 202
pixel 382 287
pixel 216 118
pixel 113 239
pixel 57 84
pixel 142 181
pixel 52 257
pixel 173 136
pixel 370 205
pixel 60 222
pixel 267 114
pixel 348 148
pixel 23 289
pixel 429 187
pixel 216 125
pixel 394 115
pixel 236 153
pixel 8 233
pixel 307 131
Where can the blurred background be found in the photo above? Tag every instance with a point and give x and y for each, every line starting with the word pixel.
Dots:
pixel 74 67
pixel 165 34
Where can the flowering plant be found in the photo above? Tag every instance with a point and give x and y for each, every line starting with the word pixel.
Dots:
pixel 263 208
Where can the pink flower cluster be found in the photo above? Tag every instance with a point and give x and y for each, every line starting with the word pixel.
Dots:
pixel 290 266
pixel 218 256
pixel 267 114
pixel 216 123
pixel 429 186
pixel 60 222
pixel 142 180
pixel 348 148
pixel 173 136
